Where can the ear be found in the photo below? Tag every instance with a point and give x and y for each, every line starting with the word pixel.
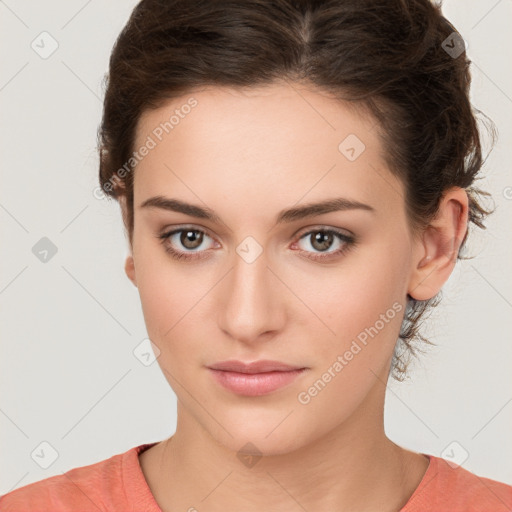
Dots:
pixel 129 264
pixel 436 251
pixel 129 268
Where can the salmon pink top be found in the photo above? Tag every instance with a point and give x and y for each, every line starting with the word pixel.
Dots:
pixel 118 484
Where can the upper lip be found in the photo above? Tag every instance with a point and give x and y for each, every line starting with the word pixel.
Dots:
pixel 254 367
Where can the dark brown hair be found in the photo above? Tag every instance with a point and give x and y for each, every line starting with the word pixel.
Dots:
pixel 400 60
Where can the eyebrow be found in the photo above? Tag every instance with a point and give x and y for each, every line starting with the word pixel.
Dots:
pixel 288 215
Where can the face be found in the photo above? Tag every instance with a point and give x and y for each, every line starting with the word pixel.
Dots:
pixel 324 291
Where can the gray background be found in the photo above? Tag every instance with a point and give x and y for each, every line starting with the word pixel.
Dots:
pixel 69 326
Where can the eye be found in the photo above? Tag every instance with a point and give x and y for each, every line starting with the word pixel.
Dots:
pixel 322 239
pixel 191 239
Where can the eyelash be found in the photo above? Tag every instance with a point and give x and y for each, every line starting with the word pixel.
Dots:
pixel 349 242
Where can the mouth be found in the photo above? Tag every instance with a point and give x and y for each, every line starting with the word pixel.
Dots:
pixel 256 378
pixel 261 366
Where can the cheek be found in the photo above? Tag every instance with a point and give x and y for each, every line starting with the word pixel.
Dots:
pixel 365 309
pixel 178 304
pixel 167 291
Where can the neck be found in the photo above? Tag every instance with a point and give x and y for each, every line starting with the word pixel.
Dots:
pixel 352 467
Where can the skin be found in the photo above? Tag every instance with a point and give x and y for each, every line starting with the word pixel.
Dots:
pixel 248 154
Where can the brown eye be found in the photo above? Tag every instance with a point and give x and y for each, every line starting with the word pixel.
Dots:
pixel 186 243
pixel 191 239
pixel 321 240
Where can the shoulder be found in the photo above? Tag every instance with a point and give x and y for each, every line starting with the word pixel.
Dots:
pixel 98 486
pixel 447 487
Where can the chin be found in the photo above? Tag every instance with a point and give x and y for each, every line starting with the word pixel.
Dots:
pixel 259 439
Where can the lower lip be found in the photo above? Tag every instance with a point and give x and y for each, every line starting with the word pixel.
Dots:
pixel 255 384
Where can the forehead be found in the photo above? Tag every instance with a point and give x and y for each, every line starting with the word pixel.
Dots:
pixel 277 143
pixel 254 115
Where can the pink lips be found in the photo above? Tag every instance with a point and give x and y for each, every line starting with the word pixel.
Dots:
pixel 256 378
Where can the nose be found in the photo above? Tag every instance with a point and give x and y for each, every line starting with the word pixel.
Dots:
pixel 251 301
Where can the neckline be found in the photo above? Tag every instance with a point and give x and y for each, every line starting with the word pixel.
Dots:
pixel 136 488
pixel 430 473
pixel 139 493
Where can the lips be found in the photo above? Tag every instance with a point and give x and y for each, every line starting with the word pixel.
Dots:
pixel 261 366
pixel 256 378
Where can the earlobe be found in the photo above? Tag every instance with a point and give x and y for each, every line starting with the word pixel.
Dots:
pixel 436 253
pixel 129 268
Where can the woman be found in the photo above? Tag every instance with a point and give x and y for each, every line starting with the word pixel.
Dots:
pixel 296 183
